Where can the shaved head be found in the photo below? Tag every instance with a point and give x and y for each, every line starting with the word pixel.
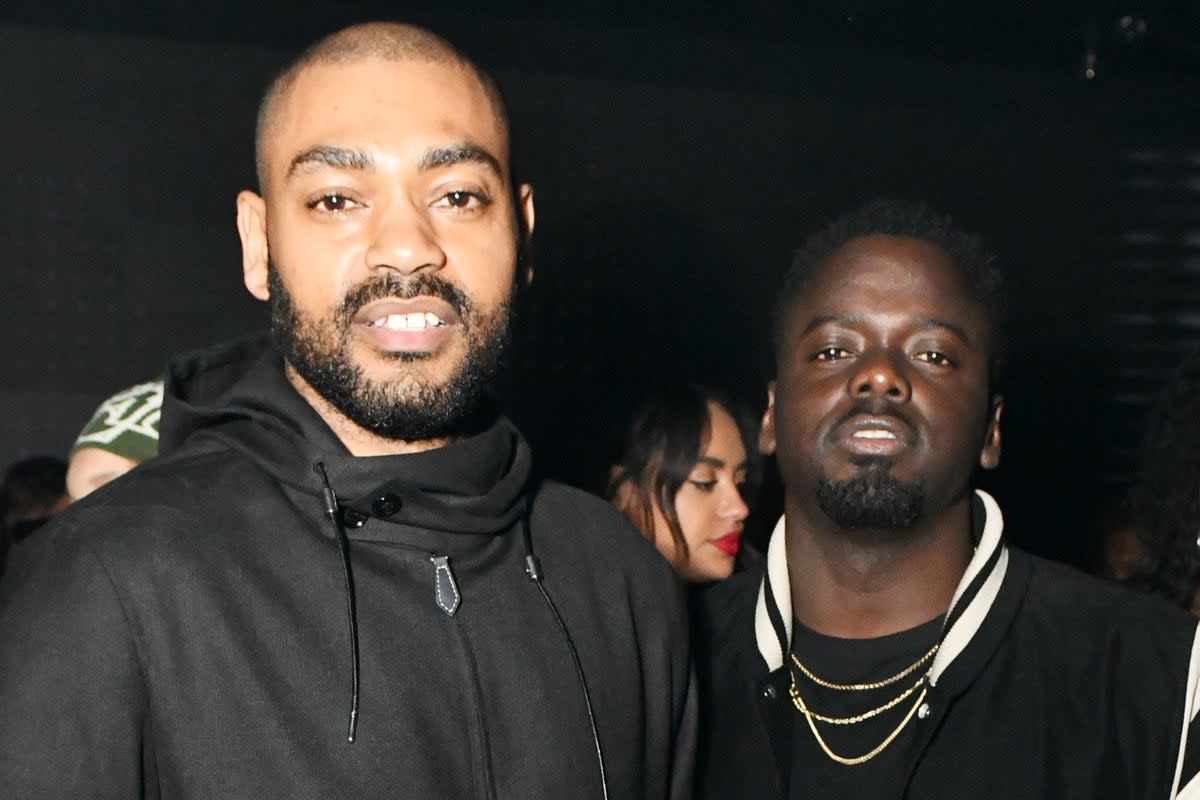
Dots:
pixel 390 41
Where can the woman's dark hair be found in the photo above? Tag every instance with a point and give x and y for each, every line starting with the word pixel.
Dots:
pixel 662 444
pixel 1166 500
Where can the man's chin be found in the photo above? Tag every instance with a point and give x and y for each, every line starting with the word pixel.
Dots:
pixel 403 383
pixel 873 498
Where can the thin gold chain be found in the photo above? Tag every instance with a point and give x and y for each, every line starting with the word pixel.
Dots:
pixel 863 687
pixel 794 691
pixel 879 748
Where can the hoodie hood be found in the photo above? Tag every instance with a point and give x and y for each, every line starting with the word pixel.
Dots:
pixel 238 394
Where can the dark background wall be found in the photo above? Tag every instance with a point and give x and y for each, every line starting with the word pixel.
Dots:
pixel 676 167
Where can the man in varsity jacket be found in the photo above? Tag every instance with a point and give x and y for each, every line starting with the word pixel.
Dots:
pixel 893 645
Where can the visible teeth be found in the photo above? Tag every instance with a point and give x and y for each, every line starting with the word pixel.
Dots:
pixel 874 435
pixel 416 321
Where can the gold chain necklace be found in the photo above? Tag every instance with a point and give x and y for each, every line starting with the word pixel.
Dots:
pixel 794 691
pixel 863 687
pixel 879 748
pixel 811 717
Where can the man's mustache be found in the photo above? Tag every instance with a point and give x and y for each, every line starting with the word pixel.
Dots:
pixel 392 285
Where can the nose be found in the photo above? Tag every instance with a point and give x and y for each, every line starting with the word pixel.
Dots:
pixel 403 239
pixel 733 507
pixel 881 373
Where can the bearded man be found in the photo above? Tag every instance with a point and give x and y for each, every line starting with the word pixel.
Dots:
pixel 339 579
pixel 895 646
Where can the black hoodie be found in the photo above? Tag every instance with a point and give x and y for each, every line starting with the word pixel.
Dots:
pixel 187 631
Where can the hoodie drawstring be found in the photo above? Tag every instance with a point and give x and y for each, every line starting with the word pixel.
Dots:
pixel 533 569
pixel 343 542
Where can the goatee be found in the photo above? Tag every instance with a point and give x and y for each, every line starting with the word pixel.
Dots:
pixel 874 499
pixel 405 408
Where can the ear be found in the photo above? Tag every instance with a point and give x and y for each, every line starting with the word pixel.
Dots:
pixel 766 433
pixel 525 220
pixel 989 458
pixel 252 228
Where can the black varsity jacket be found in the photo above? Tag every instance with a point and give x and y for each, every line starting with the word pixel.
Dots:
pixel 1048 684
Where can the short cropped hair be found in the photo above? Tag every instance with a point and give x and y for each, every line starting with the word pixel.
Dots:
pixel 391 41
pixel 974 259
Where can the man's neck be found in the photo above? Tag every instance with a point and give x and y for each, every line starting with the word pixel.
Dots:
pixel 358 440
pixel 863 584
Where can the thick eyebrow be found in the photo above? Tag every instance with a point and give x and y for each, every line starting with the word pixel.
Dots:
pixel 441 157
pixel 335 157
pixel 326 155
pixel 852 319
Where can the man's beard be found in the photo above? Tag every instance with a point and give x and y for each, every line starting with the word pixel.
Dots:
pixel 874 499
pixel 405 408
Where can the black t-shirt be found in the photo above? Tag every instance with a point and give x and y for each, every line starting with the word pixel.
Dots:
pixel 846 661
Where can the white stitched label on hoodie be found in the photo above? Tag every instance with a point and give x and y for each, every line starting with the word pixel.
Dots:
pixel 445 589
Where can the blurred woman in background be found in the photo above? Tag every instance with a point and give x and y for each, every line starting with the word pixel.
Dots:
pixel 681 477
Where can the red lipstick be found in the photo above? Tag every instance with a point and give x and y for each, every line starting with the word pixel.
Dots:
pixel 728 544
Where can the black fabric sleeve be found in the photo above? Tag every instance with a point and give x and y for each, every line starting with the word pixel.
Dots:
pixel 72 698
pixel 683 760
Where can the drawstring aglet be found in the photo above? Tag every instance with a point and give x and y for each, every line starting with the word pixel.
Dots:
pixel 533 568
pixel 327 495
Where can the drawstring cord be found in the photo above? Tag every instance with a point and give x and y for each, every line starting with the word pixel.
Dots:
pixel 343 542
pixel 533 568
